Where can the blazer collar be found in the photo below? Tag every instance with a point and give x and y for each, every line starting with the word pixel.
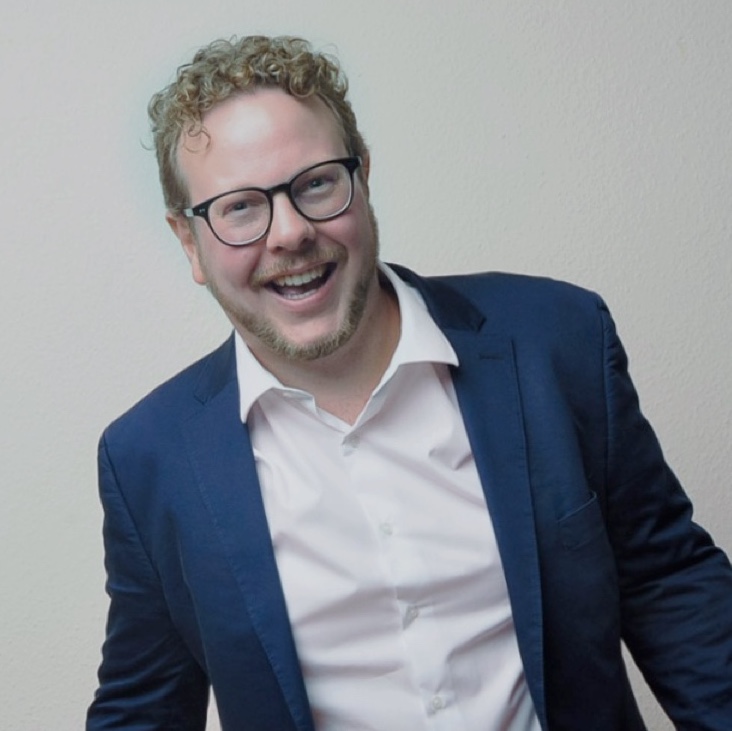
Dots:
pixel 450 309
pixel 217 373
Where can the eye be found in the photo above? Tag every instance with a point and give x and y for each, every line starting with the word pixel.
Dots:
pixel 317 183
pixel 240 204
pixel 235 207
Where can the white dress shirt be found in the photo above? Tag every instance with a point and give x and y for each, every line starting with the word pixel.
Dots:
pixel 385 548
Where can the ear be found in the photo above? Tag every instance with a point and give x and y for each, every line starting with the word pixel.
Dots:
pixel 366 167
pixel 363 173
pixel 182 228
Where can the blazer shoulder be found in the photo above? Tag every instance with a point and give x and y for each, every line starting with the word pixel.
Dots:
pixel 180 396
pixel 521 291
pixel 489 290
pixel 510 304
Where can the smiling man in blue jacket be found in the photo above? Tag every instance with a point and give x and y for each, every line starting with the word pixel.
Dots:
pixel 387 502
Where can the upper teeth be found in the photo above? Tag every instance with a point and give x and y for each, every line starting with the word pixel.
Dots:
pixel 297 280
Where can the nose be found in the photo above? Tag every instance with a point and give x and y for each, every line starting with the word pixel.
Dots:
pixel 289 229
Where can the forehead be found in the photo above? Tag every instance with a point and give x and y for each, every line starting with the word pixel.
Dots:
pixel 257 138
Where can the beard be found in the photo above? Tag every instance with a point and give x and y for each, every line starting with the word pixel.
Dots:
pixel 267 333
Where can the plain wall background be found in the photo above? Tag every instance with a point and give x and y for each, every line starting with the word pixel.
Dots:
pixel 584 141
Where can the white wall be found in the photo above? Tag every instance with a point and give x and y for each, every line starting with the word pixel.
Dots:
pixel 585 141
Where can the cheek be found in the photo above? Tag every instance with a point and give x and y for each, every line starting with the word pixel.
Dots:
pixel 230 265
pixel 354 232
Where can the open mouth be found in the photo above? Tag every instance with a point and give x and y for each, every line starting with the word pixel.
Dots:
pixel 298 286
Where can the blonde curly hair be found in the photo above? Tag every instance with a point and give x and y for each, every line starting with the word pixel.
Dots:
pixel 228 67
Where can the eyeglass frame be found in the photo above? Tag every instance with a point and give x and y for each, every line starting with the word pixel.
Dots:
pixel 201 210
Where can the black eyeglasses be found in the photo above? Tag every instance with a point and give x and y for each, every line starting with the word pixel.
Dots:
pixel 319 193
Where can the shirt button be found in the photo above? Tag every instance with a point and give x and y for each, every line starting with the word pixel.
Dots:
pixel 436 704
pixel 411 614
pixel 350 443
pixel 386 529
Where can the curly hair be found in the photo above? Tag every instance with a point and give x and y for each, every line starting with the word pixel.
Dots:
pixel 225 68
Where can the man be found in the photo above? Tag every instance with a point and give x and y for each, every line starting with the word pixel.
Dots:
pixel 386 502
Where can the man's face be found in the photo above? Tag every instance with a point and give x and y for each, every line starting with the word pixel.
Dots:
pixel 301 291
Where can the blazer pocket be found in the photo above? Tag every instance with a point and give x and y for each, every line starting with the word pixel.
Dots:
pixel 582 525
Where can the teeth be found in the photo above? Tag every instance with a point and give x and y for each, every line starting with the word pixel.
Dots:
pixel 297 280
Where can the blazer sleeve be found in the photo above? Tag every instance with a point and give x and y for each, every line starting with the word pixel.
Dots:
pixel 675 585
pixel 148 680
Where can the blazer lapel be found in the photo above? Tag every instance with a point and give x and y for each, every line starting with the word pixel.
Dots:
pixel 221 454
pixel 487 389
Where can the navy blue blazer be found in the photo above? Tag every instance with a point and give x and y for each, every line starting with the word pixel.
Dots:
pixel 595 533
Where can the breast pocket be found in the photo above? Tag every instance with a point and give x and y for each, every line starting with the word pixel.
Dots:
pixel 582 525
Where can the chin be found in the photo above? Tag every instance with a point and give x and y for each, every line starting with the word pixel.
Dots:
pixel 277 344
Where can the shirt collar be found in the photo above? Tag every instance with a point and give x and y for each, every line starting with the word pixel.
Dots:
pixel 420 340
